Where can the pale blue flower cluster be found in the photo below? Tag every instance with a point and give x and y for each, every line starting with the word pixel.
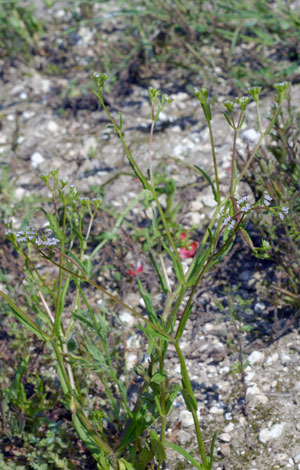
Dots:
pixel 30 235
pixel 284 211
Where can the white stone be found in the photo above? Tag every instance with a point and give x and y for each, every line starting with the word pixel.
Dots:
pixel 274 432
pixel 256 357
pixel 196 205
pixel 272 359
pixel 3 139
pixel 186 418
pixel 229 427
pixel 216 410
pixel 36 159
pixel 285 359
pixel 251 134
pixel 259 307
pixel 249 377
pixel 131 360
pixel 208 200
pixel 225 437
pixel 20 193
pixel 23 95
pixel 52 126
pixel 28 114
pixel 253 390
pixel 10 117
pixel 127 317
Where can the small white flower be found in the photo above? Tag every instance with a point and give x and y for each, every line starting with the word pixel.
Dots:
pixel 231 225
pixel 285 209
pixel 267 199
pixel 243 199
pixel 226 221
pixel 246 207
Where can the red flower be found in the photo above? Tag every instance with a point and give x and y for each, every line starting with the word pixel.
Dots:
pixel 137 269
pixel 182 236
pixel 189 251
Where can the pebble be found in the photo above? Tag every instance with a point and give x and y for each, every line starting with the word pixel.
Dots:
pixel 28 114
pixel 131 360
pixel 256 357
pixel 23 96
pixel 20 193
pixel 225 450
pixel 272 359
pixel 285 359
pixel 251 135
pixel 52 126
pixel 186 418
pixel 259 307
pixel 127 317
pixel 36 159
pixel 274 432
pixel 216 410
pixel 208 200
pixel 225 437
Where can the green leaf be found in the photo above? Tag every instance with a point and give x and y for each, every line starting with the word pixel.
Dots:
pixel 228 120
pixel 189 400
pixel 79 263
pixel 185 454
pixel 72 345
pixel 172 397
pixel 23 318
pixel 157 447
pixel 144 458
pixel 152 315
pixel 203 173
pixel 177 270
pixel 182 325
pixel 161 277
pixel 211 455
pixel 158 378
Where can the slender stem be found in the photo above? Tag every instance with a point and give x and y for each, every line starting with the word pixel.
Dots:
pixel 189 389
pixel 235 132
pixel 214 158
pixel 57 322
pixel 151 153
pixel 256 148
pixel 145 183
pixel 162 397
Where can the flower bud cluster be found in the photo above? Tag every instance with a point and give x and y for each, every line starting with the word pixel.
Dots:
pixel 284 211
pixel 228 222
pixel 30 235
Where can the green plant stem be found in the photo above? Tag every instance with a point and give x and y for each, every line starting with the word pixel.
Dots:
pixel 233 160
pixel 257 146
pixel 162 397
pixel 189 389
pixel 74 404
pixel 214 159
pixel 58 311
pixel 143 181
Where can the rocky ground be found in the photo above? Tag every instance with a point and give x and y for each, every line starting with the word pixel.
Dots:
pixel 45 126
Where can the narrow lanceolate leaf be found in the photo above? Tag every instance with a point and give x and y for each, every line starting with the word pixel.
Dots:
pixel 185 454
pixel 23 317
pixel 157 447
pixel 176 266
pixel 161 277
pixel 189 400
pixel 203 173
